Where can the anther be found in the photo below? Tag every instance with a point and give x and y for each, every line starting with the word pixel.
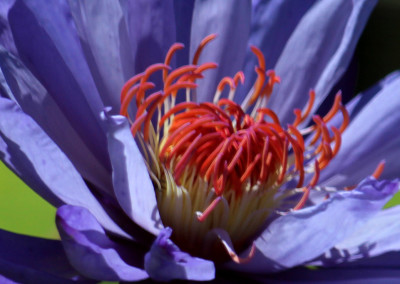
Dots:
pixel 202 216
pixel 379 169
pixel 202 44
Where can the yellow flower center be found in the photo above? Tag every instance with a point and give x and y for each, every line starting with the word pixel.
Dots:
pixel 218 167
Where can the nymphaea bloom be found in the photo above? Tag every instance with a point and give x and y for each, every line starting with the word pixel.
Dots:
pixel 209 173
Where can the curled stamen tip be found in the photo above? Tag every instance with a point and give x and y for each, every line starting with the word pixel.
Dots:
pixel 379 169
pixel 202 216
pixel 236 258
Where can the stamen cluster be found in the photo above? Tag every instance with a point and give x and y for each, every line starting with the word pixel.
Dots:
pixel 232 149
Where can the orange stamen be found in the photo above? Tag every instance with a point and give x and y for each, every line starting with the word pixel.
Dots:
pixel 175 47
pixel 315 178
pixel 337 139
pixel 303 200
pixel 239 77
pixel 260 57
pixel 240 260
pixel 379 170
pixel 202 44
pixel 202 216
pixel 180 167
pixel 335 107
pixel 129 84
pixel 346 119
pixel 284 161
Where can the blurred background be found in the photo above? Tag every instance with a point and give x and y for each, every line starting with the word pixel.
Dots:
pixel 377 54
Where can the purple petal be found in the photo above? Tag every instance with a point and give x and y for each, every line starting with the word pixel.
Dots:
pixel 5 280
pixel 132 184
pixel 36 102
pixel 49 46
pixel 6 38
pixel 151 28
pixel 20 261
pixel 318 53
pixel 166 262
pixel 34 157
pixel 90 250
pixel 231 21
pixel 370 138
pixel 106 46
pixel 333 276
pixel 302 235
pixel 272 24
pixel 379 235
pixel 183 18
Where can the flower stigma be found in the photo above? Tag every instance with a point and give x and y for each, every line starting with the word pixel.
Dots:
pixel 222 170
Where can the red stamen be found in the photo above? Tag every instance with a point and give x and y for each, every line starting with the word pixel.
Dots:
pixel 226 81
pixel 202 216
pixel 180 167
pixel 258 85
pixel 138 122
pixel 337 139
pixel 206 66
pixel 177 73
pixel 148 118
pixel 150 99
pixel 284 162
pixel 175 47
pixel 346 119
pixel 379 169
pixel 303 199
pixel 264 165
pixel 268 88
pixel 297 121
pixel 241 260
pixel 202 44
pixel 173 89
pixel 271 114
pixel 129 84
pixel 239 76
pixel 249 168
pixel 293 130
pixel 127 98
pixel 335 107
pixel 180 107
pixel 315 178
pixel 260 57
pixel 310 104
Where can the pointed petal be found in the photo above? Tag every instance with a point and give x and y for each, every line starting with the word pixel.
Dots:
pixel 48 44
pixel 20 261
pixel 183 18
pixel 6 38
pixel 370 137
pixel 34 157
pixel 35 101
pixel 302 235
pixel 105 43
pixel 272 24
pixel 151 28
pixel 231 21
pixel 318 53
pixel 90 250
pixel 378 236
pixel 166 262
pixel 132 184
pixel 303 275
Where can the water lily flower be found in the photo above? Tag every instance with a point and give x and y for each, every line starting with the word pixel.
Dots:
pixel 212 162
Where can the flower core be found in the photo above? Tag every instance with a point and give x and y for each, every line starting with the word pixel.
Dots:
pixel 221 170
